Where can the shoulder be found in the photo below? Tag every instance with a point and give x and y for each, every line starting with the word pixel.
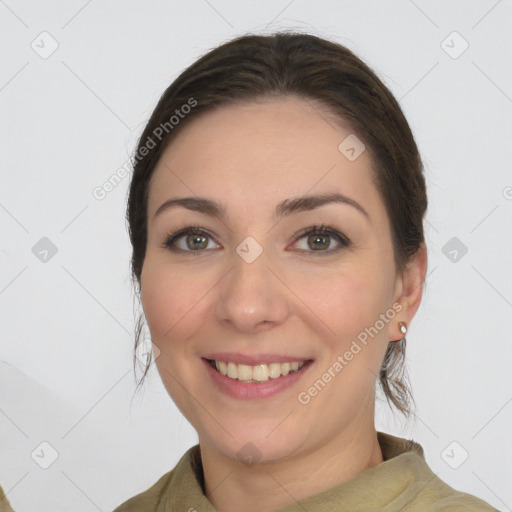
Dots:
pixel 148 499
pixel 435 495
pixel 422 488
pixel 5 506
pixel 443 498
pixel 168 486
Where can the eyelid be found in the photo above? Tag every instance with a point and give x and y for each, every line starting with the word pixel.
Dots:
pixel 174 235
pixel 323 229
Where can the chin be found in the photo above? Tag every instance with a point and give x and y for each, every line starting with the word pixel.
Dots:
pixel 254 451
pixel 253 442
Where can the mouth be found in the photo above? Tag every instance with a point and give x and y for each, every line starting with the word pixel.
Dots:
pixel 257 374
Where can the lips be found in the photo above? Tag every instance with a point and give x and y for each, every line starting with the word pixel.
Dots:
pixel 246 375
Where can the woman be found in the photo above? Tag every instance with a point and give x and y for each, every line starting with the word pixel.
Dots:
pixel 275 213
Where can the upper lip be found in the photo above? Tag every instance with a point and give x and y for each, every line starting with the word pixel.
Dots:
pixel 255 359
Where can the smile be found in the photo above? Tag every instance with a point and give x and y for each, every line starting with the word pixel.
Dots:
pixel 257 373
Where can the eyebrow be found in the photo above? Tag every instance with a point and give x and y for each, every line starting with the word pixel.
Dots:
pixel 283 209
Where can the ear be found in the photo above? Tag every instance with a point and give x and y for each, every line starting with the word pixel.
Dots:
pixel 409 290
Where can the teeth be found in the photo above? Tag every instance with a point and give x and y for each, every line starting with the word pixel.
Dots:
pixel 274 370
pixel 244 372
pixel 232 371
pixel 261 373
pixel 258 373
pixel 222 367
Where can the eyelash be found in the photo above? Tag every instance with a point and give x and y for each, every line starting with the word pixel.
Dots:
pixel 323 229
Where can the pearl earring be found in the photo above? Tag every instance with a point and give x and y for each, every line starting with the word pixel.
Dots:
pixel 403 327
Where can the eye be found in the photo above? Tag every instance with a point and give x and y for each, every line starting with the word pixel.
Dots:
pixel 189 239
pixel 315 239
pixel 321 239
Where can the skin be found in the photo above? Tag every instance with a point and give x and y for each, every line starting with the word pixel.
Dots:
pixel 291 300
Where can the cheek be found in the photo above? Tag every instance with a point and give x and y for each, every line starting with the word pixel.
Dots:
pixel 171 305
pixel 346 301
pixel 169 299
pixel 347 305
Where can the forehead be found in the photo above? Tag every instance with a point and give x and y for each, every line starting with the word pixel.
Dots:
pixel 252 155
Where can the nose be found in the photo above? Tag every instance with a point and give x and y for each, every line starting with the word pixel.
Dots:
pixel 251 297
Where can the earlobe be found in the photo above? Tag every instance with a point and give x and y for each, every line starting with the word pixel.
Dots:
pixel 402 329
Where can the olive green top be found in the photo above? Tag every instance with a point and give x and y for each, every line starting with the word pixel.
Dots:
pixel 5 506
pixel 402 483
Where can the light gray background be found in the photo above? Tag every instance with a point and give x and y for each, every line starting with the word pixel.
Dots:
pixel 71 120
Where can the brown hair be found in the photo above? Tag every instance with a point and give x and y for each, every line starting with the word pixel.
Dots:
pixel 254 67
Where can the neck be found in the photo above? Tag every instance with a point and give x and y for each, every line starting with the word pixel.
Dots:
pixel 231 486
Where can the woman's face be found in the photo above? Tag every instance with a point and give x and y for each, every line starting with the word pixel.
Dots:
pixel 255 286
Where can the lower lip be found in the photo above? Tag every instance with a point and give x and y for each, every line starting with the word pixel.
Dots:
pixel 254 390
